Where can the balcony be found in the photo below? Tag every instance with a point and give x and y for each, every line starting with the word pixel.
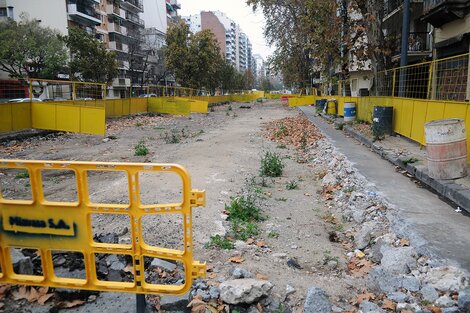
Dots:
pixel 135 5
pixel 115 11
pixel 84 14
pixel 122 82
pixel 440 12
pixel 123 64
pixel 393 11
pixel 419 46
pixel 135 19
pixel 118 46
pixel 116 28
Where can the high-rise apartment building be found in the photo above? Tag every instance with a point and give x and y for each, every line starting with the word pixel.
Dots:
pixel 172 7
pixel 233 43
pixel 117 23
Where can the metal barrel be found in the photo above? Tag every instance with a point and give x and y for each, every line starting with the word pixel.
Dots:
pixel 382 122
pixel 446 148
pixel 349 111
pixel 331 107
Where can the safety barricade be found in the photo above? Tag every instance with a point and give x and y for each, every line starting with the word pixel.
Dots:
pixel 37 218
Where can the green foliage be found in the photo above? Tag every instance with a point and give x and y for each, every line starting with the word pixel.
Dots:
pixel 327 257
pixel 339 126
pixel 172 138
pixel 90 61
pixel 243 230
pixel 281 146
pixel 273 234
pixel 281 199
pixel 28 49
pixel 22 174
pixel 140 149
pixel 219 242
pixel 271 165
pixel 282 131
pixel 410 160
pixel 244 209
pixel 291 185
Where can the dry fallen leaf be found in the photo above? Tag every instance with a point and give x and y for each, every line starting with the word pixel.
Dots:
pixel 358 267
pixel 365 297
pixel 389 304
pixel 197 305
pixel 260 308
pixel 21 293
pixel 33 295
pixel 404 242
pixel 250 241
pixel 261 244
pixel 307 194
pixel 433 309
pixel 43 299
pixel 261 277
pixel 237 259
pixel 69 304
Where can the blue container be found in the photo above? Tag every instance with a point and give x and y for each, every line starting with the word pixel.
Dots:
pixel 349 111
pixel 320 104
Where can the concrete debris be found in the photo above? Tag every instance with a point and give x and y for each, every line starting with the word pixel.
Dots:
pixel 317 301
pixel 164 265
pixel 246 291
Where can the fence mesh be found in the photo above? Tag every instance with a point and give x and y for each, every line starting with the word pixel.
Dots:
pixel 444 79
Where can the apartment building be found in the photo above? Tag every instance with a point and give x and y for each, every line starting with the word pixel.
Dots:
pixel 172 7
pixel 233 43
pixel 116 23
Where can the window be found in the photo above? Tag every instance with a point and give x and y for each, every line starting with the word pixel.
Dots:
pixel 3 12
pixel 354 84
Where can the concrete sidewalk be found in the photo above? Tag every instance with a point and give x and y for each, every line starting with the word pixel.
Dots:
pixel 430 223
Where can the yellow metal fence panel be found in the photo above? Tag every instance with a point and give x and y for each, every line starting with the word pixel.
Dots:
pixel 15 116
pixel 169 106
pixel 66 116
pixel 47 226
pixel 197 106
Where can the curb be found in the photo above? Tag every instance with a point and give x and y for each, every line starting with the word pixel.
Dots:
pixel 447 189
pixel 24 134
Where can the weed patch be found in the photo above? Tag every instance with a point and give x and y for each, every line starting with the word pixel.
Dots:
pixel 219 242
pixel 22 174
pixel 291 185
pixel 140 149
pixel 271 165
pixel 244 208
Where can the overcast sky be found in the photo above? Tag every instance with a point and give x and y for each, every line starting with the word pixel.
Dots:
pixel 251 23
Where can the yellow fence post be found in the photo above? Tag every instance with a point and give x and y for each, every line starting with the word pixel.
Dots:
pixel 74 91
pixel 393 82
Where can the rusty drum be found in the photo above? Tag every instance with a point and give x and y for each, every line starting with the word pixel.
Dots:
pixel 446 148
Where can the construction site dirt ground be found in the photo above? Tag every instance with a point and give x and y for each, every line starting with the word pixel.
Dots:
pixel 222 151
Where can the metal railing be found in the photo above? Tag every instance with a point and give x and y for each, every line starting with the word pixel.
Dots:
pixel 417 42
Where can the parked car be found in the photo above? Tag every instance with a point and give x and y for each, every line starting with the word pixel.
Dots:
pixel 25 100
pixel 148 95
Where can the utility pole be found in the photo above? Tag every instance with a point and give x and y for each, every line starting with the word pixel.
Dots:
pixel 344 30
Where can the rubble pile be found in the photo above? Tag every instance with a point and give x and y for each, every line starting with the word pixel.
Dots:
pixel 403 277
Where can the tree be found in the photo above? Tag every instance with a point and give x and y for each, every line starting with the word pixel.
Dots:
pixel 90 61
pixel 249 80
pixel 28 50
pixel 177 51
pixel 303 32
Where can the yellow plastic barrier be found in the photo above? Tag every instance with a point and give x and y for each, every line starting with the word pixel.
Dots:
pixel 15 116
pixel 39 223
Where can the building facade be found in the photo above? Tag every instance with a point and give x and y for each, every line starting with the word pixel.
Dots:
pixel 234 44
pixel 119 24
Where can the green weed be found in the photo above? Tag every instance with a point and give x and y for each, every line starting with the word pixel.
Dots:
pixel 327 257
pixel 271 165
pixel 140 149
pixel 291 185
pixel 219 242
pixel 172 138
pixel 281 199
pixel 22 174
pixel 410 161
pixel 244 209
pixel 244 230
pixel 273 234
pixel 281 132
pixel 281 146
